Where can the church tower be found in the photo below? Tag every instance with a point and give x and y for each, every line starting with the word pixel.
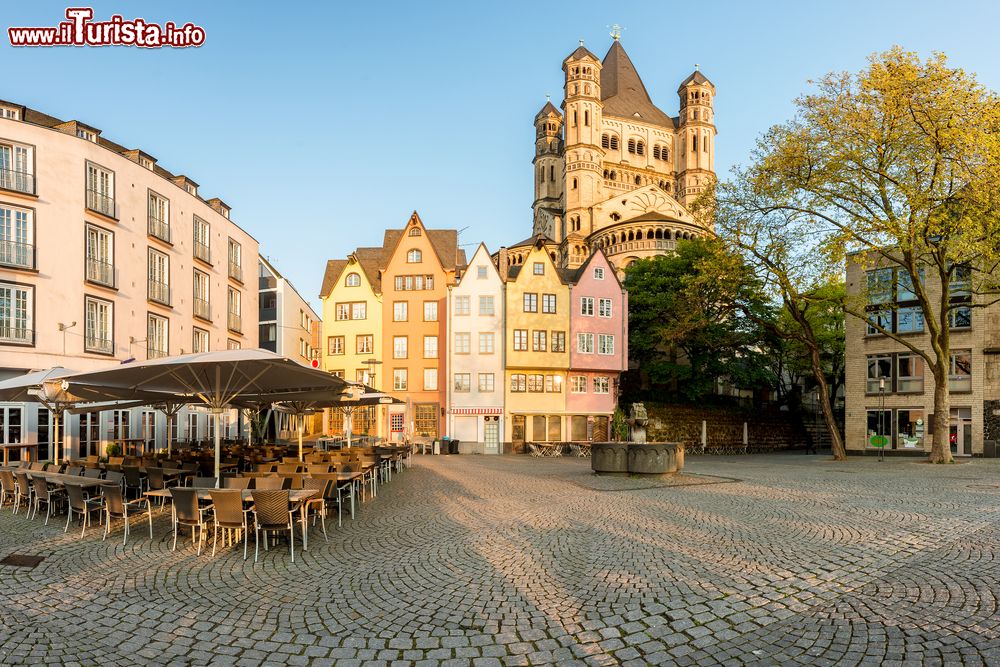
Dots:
pixel 549 170
pixel 583 153
pixel 695 138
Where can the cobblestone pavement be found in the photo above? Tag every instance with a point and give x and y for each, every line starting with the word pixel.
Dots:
pixel 782 559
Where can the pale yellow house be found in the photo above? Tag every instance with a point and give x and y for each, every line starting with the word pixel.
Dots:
pixel 352 331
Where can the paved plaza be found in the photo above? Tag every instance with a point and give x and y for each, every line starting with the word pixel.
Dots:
pixel 783 559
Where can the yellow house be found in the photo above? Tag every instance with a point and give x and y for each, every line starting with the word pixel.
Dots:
pixel 352 331
pixel 537 339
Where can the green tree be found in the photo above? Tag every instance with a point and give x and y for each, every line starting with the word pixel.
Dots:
pixel 897 166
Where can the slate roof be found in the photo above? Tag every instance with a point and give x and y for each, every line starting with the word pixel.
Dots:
pixel 623 93
pixel 334 267
pixel 696 77
pixel 581 53
pixel 549 108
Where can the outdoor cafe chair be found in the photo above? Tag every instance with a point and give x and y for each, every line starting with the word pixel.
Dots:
pixel 133 479
pixel 92 473
pixel 8 487
pixel 290 459
pixel 80 504
pixel 270 483
pixel 113 477
pixel 318 468
pixel 236 482
pixel 116 507
pixel 74 470
pixel 187 512
pixel 93 459
pixel 230 515
pixel 203 483
pixel 272 513
pixel 265 467
pixel 44 494
pixel 24 492
pixel 284 468
pixel 316 506
pixel 37 466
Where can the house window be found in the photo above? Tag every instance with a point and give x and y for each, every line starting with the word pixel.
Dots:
pixel 486 382
pixel 520 340
pixel 10 114
pixel 538 268
pixel 518 382
pixel 400 311
pixel 410 283
pixel 364 344
pixel 586 305
pixel 17 237
pixel 879 372
pixel 960 371
pixel 480 273
pixel 538 341
pixel 585 343
pixel 201 303
pixel 99 326
pixel 413 256
pixel 414 231
pixel 605 344
pixel 553 384
pixel 430 347
pixel 909 373
pixel 16 168
pixel 909 320
pixel 604 307
pixel 430 311
pixel 960 317
pixel 234 311
pixel 235 261
pixel 882 318
pixel 601 385
pixel 530 302
pixel 159 277
pixel 463 342
pixel 599 273
pixel 463 382
pixel 202 240
pixel 430 379
pixel 462 305
pixel 486 343
pixel 558 340
pixel 961 282
pixel 352 310
pixel 880 286
pixel 399 379
pixel 536 383
pixel 335 345
pixel 486 306
pixel 910 429
pixel 548 303
pixel 101 190
pixel 399 347
pixel 159 217
pixel 233 344
pixel 578 384
pixel 156 336
pixel 353 280
pixel 199 340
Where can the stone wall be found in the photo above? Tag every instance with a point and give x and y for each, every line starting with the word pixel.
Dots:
pixel 767 430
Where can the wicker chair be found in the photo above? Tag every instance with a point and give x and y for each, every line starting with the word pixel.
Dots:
pixel 114 477
pixel 133 480
pixel 24 492
pixel 37 466
pixel 316 506
pixel 44 494
pixel 116 507
pixel 203 483
pixel 236 482
pixel 155 480
pixel 74 470
pixel 8 488
pixel 230 515
pixel 272 513
pixel 269 483
pixel 187 512
pixel 80 504
pixel 284 468
pixel 92 473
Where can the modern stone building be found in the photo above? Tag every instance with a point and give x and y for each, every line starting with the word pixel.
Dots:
pixel 106 256
pixel 614 171
pixel 890 392
pixel 286 320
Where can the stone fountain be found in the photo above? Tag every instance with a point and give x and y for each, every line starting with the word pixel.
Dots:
pixel 638 457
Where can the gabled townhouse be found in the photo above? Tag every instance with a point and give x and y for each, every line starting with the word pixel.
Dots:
pixel 598 348
pixel 476 357
pixel 537 363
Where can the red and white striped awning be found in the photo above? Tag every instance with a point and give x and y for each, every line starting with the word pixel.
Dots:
pixel 477 411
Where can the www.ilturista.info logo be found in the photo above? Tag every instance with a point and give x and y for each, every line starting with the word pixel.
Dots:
pixel 81 30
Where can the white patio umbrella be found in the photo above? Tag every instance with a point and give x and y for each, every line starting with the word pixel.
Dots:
pixel 217 380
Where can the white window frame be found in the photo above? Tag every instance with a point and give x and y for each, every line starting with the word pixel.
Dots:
pixel 578 384
pixel 400 347
pixel 487 382
pixel 487 305
pixel 605 308
pixel 17 311
pixel 99 335
pixel 202 335
pixel 430 347
pixel 587 306
pixel 486 342
pixel 399 379
pixel 585 343
pixel 463 342
pixel 159 274
pixel 463 383
pixel 400 311
pixel 157 336
pixel 430 379
pixel 17 236
pixel 462 304
pixel 602 384
pixel 605 344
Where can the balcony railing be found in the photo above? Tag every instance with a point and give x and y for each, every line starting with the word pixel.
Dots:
pixel 235 323
pixel 266 282
pixel 235 271
pixel 202 252
pixel 19 181
pixel 16 334
pixel 99 345
pixel 154 353
pixel 645 244
pixel 14 253
pixel 102 273
pixel 268 314
pixel 159 292
pixel 160 229
pixel 202 309
pixel 101 203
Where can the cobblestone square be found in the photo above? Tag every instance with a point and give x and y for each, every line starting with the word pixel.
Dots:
pixel 473 560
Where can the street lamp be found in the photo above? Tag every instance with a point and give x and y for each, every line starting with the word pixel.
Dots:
pixel 881 418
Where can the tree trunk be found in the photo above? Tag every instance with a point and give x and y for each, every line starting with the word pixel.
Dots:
pixel 836 443
pixel 941 446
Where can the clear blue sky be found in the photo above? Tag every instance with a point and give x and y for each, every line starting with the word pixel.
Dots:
pixel 323 123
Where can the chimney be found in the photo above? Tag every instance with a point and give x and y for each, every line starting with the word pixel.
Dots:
pixel 502 263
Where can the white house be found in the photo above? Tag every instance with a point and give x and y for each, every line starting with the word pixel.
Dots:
pixel 476 357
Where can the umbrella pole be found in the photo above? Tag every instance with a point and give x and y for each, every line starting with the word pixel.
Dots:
pixel 56 441
pixel 350 425
pixel 302 419
pixel 168 434
pixel 247 413
pixel 216 414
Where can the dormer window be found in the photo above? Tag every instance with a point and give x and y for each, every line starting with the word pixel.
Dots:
pixel 10 114
pixel 413 256
pixel 191 190
pixel 146 162
pixel 86 134
pixel 414 231
pixel 353 280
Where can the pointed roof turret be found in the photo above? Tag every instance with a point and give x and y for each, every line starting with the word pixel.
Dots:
pixel 696 78
pixel 581 53
pixel 623 92
pixel 549 108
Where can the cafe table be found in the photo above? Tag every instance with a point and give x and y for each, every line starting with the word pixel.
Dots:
pixel 31 449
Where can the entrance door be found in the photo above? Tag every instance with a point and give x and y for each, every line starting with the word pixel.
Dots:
pixel 491 435
pixel 395 426
pixel 517 431
pixel 960 431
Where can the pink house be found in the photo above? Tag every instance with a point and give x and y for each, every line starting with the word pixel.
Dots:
pixel 599 344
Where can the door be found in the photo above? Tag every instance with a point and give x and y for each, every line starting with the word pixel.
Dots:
pixel 517 430
pixel 960 431
pixel 10 429
pixel 491 435
pixel 396 427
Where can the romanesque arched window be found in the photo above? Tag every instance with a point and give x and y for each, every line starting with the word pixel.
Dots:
pixel 656 152
pixel 552 173
pixel 574 184
pixel 631 145
pixel 638 180
pixel 605 141
pixel 541 173
pixel 614 142
pixel 586 118
pixel 640 147
pixel 694 142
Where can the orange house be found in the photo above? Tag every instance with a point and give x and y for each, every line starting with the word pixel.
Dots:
pixel 419 266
